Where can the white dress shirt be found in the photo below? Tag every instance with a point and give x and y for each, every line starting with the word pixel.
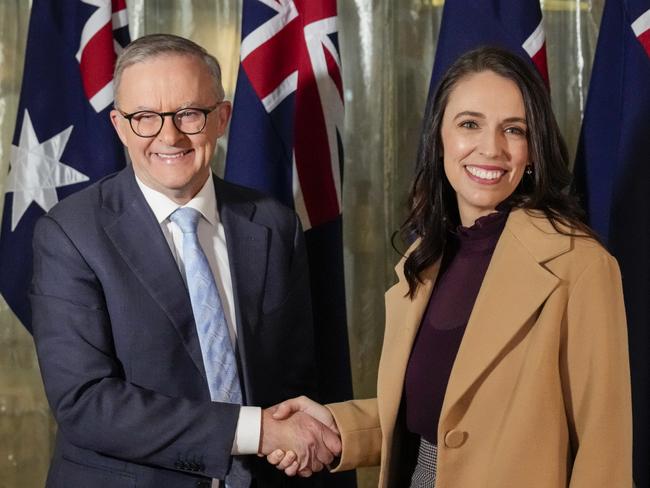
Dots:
pixel 212 238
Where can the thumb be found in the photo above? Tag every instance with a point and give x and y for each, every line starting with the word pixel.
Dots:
pixel 285 409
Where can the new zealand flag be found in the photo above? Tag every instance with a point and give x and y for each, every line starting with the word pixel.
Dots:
pixel 63 139
pixel 612 173
pixel 285 140
pixel 515 25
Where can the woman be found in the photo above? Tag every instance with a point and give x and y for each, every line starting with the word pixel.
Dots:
pixel 505 357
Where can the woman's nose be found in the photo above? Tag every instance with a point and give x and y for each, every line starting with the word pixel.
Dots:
pixel 491 144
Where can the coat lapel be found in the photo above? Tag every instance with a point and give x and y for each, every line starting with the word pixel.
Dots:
pixel 403 317
pixel 514 287
pixel 138 238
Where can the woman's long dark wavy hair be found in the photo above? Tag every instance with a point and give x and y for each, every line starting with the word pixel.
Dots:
pixel 433 209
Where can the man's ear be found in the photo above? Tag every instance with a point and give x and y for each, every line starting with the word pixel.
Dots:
pixel 117 121
pixel 224 110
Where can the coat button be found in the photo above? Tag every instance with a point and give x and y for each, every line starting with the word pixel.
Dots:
pixel 203 484
pixel 455 438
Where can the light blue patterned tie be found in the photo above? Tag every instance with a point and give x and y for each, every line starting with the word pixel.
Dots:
pixel 216 347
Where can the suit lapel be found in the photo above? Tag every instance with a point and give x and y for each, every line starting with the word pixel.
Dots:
pixel 247 243
pixel 514 287
pixel 138 238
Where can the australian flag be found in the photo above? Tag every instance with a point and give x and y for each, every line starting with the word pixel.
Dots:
pixel 285 140
pixel 612 174
pixel 515 25
pixel 63 138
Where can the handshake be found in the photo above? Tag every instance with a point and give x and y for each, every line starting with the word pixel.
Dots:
pixel 299 436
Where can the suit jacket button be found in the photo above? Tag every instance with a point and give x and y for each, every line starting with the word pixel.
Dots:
pixel 455 438
pixel 203 484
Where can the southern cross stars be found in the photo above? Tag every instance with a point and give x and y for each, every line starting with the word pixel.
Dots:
pixel 36 171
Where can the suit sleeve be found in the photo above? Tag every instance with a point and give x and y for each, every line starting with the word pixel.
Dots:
pixel 597 379
pixel 95 407
pixel 358 423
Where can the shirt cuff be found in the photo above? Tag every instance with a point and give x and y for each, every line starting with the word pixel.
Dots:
pixel 247 433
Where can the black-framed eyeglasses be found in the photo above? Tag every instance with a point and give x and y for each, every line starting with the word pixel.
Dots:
pixel 188 120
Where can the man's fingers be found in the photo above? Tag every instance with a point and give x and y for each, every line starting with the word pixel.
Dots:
pixel 275 457
pixel 289 458
pixel 292 470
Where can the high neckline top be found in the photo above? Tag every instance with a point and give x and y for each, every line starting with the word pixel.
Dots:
pixel 482 234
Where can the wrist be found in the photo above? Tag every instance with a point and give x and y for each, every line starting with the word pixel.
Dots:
pixel 265 429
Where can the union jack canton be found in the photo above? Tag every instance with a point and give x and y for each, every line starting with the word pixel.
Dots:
pixel 285 133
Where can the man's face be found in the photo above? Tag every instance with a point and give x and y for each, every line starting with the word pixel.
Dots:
pixel 172 163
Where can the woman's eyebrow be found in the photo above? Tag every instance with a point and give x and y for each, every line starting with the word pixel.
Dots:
pixel 515 119
pixel 470 113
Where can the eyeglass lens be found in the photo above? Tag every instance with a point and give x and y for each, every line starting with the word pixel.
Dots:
pixel 188 121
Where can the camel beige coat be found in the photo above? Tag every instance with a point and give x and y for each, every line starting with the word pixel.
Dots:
pixel 539 394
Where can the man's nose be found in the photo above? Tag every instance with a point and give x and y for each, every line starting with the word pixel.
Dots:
pixel 169 134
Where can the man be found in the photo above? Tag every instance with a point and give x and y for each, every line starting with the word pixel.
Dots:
pixel 165 298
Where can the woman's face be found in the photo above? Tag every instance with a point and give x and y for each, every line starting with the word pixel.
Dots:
pixel 485 148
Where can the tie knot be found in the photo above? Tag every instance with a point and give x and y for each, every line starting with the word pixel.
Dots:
pixel 186 218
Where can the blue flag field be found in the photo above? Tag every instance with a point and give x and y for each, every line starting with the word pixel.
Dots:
pixel 63 138
pixel 515 25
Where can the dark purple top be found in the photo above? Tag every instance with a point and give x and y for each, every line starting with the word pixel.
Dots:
pixel 465 261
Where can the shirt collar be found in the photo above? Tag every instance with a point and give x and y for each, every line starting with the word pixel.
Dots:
pixel 205 201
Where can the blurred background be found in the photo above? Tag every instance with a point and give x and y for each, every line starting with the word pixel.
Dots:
pixel 387 50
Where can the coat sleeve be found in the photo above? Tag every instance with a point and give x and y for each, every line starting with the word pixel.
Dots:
pixel 358 423
pixel 596 379
pixel 96 408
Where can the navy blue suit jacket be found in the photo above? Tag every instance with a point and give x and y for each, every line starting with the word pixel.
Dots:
pixel 118 348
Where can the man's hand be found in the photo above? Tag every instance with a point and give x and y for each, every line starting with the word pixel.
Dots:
pixel 311 443
pixel 288 461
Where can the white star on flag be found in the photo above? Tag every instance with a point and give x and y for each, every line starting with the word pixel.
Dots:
pixel 36 171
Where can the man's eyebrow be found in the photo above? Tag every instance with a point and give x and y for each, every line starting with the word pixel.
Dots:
pixel 179 107
pixel 142 108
